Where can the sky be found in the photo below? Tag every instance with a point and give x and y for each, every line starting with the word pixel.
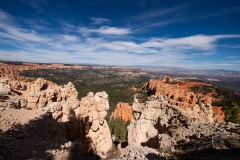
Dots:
pixel 194 34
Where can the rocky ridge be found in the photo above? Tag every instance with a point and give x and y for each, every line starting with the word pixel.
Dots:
pixel 158 124
pixel 81 121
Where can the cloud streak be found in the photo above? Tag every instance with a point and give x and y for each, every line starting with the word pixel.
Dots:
pixel 105 30
pixel 97 20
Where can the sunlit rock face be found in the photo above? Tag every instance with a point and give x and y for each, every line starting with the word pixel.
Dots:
pixel 77 120
pixel 93 110
pixel 123 111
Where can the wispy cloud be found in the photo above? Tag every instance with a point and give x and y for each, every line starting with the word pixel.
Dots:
pixel 219 13
pixel 98 20
pixel 157 13
pixel 157 18
pixel 231 57
pixel 165 16
pixel 105 30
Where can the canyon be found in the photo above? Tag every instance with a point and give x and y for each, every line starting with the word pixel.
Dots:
pixel 42 120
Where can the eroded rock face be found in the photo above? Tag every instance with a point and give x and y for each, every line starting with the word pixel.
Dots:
pixel 218 114
pixel 177 93
pixel 9 98
pixel 93 111
pixel 77 120
pixel 123 111
pixel 4 87
pixel 160 125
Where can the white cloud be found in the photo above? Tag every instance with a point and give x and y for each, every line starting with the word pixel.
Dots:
pixel 22 34
pixel 105 30
pixel 69 37
pixel 196 42
pixel 97 20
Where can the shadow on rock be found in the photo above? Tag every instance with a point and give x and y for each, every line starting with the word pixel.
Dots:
pixel 210 154
pixel 209 148
pixel 152 156
pixel 40 138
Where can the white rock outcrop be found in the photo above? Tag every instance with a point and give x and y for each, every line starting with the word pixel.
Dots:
pixel 78 120
pixel 159 125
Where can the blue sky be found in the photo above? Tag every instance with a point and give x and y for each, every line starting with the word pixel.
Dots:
pixel 196 34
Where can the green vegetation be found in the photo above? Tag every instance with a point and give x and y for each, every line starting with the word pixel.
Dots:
pixel 228 99
pixel 202 89
pixel 232 113
pixel 118 127
pixel 174 82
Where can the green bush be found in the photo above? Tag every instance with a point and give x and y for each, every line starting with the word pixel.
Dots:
pixel 232 113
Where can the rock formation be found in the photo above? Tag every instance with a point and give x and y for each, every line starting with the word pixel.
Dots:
pixel 178 93
pixel 160 125
pixel 134 151
pixel 123 111
pixel 93 109
pixel 218 115
pixel 81 121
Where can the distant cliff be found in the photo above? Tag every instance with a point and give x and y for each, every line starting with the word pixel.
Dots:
pixel 123 111
pixel 182 94
pixel 34 66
